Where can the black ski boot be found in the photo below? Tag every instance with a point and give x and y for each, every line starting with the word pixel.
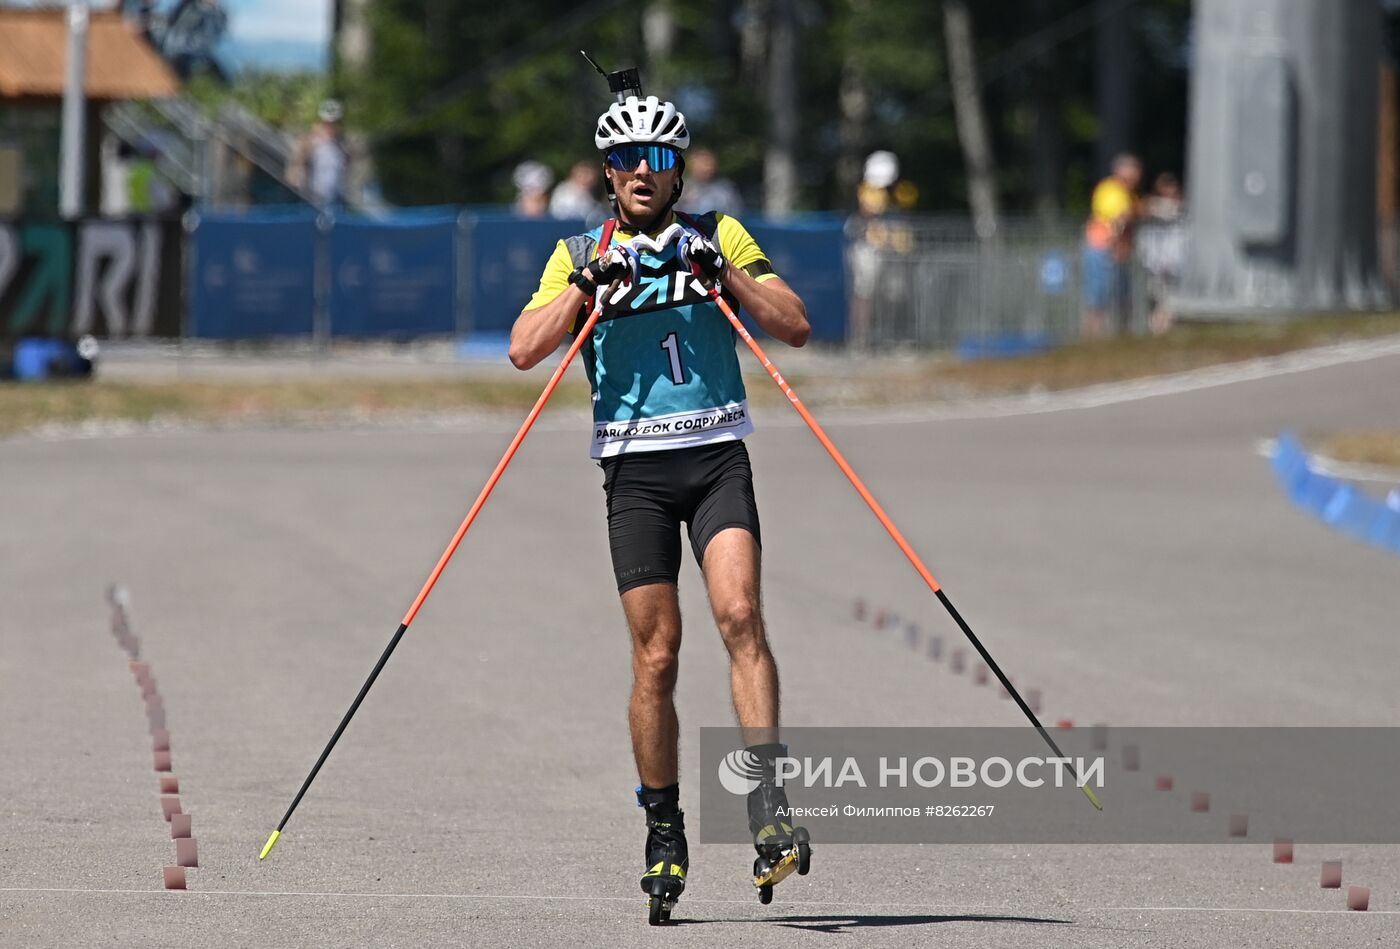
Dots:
pixel 668 858
pixel 781 846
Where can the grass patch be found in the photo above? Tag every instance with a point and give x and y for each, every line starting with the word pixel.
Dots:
pixel 25 406
pixel 1363 448
pixel 29 405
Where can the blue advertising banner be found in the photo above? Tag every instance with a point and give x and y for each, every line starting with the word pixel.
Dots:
pixel 810 256
pixel 394 277
pixel 505 255
pixel 254 275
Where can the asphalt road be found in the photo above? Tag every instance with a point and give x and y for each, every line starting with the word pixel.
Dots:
pixel 1134 561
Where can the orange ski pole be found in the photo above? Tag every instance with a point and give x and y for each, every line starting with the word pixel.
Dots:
pixel 889 526
pixel 466 524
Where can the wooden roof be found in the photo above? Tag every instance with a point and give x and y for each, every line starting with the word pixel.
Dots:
pixel 120 64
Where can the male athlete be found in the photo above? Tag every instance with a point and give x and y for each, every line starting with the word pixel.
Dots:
pixel 669 416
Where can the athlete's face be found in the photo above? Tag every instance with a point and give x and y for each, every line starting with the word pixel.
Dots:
pixel 643 192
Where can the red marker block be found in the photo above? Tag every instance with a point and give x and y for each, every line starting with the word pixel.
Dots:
pixel 174 878
pixel 1283 850
pixel 1098 737
pixel 180 826
pixel 186 852
pixel 1132 759
pixel 169 784
pixel 1239 825
pixel 1065 724
pixel 1033 700
pixel 1200 802
pixel 148 691
pixel 881 618
pixel 162 761
pixel 1358 898
pixel 169 804
pixel 979 677
pixel 1332 874
pixel 138 669
pixel 1164 782
pixel 160 739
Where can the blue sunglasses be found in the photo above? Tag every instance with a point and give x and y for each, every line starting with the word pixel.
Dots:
pixel 628 157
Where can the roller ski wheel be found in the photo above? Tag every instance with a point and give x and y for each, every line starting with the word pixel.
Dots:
pixel 660 903
pixel 803 842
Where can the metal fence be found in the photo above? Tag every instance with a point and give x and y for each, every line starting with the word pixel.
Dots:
pixel 931 283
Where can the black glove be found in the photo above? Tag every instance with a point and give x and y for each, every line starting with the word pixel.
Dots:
pixel 700 252
pixel 602 271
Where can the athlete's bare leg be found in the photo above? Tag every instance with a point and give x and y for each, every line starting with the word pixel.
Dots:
pixel 732 579
pixel 654 617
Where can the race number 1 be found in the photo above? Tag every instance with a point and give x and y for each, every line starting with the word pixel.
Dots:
pixel 672 346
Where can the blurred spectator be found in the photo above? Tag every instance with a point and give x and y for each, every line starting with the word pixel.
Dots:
pixel 705 190
pixel 577 195
pixel 1108 248
pixel 319 161
pixel 1167 202
pixel 115 197
pixel 532 180
pixel 872 235
pixel 1162 247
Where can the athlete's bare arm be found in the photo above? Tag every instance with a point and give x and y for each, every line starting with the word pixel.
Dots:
pixel 772 304
pixel 538 332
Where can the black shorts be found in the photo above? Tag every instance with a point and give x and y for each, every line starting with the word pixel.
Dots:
pixel 650 494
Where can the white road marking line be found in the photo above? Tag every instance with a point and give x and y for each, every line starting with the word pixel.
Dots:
pixel 794 904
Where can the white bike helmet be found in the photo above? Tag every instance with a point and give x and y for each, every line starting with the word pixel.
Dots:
pixel 642 121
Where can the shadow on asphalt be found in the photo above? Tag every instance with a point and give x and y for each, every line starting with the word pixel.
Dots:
pixel 844 924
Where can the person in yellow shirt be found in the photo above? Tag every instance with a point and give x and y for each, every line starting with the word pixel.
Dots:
pixel 1108 246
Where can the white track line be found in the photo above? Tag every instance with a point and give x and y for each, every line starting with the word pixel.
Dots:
pixel 794 905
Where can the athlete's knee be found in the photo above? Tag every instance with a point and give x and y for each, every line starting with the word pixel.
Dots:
pixel 656 666
pixel 740 624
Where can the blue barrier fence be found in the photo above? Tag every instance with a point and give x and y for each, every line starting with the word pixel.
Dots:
pixel 433 271
pixel 394 278
pixel 1337 503
pixel 254 275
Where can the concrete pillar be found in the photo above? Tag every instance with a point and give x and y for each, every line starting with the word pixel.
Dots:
pixel 1281 171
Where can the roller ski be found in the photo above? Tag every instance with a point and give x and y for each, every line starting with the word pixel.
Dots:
pixel 782 848
pixel 667 857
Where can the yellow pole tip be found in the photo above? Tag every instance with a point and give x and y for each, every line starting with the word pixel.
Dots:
pixel 267 847
pixel 1093 798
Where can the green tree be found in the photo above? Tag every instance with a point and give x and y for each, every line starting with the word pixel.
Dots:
pixel 458 91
